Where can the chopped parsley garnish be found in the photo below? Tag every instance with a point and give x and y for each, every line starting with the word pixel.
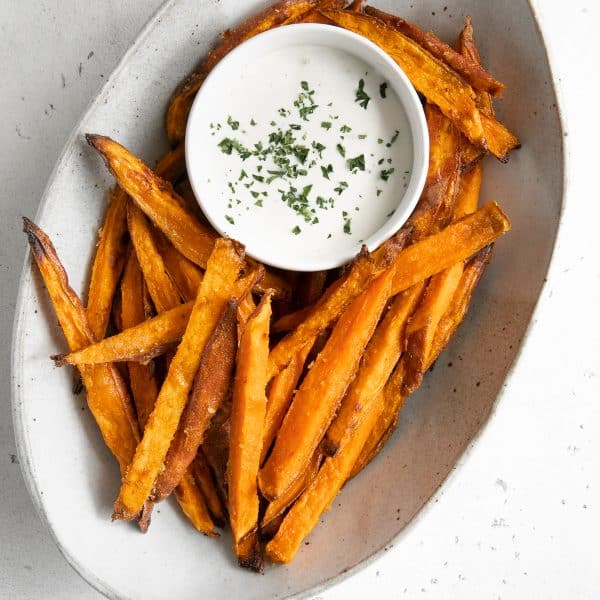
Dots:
pixel 341 150
pixel 318 147
pixel 252 122
pixel 383 89
pixel 357 163
pixel 259 202
pixel 347 225
pixel 345 129
pixel 394 138
pixel 327 170
pixel 304 85
pixel 296 230
pixel 229 219
pixel 342 185
pixel 362 136
pixel 361 96
pixel 326 124
pixel 233 124
pixel 378 191
pixel 242 175
pixel 385 174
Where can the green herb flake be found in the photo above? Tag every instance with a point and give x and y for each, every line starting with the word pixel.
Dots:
pixel 296 230
pixel 348 226
pixel 362 136
pixel 383 89
pixel 385 174
pixel 253 122
pixel 361 96
pixel 342 185
pixel 345 129
pixel 379 192
pixel 318 147
pixel 259 202
pixel 393 139
pixel 357 163
pixel 326 124
pixel 341 150
pixel 229 219
pixel 327 170
pixel 233 124
pixel 259 178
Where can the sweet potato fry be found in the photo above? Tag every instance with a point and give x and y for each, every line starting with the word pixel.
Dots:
pixel 151 338
pixel 205 481
pixel 275 510
pixel 162 290
pixel 377 364
pixel 108 263
pixel 310 287
pixel 247 419
pixel 215 448
pixel 315 500
pixel 142 380
pixel 211 385
pixel 317 400
pixel 172 165
pixel 194 506
pixel 338 296
pixel 183 272
pixel 440 290
pixel 107 395
pixel 291 320
pixel 216 289
pixel 470 70
pixel 392 399
pixel 456 242
pixel 282 12
pixel 279 397
pixel 157 199
pixel 435 204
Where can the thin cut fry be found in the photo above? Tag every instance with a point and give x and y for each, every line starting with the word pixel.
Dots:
pixel 183 272
pixel 108 263
pixel 163 292
pixel 430 76
pixel 275 510
pixel 247 419
pixel 216 290
pixel 194 506
pixel 157 199
pixel 316 402
pixel 315 500
pixel 272 16
pixel 456 242
pixel 380 357
pixel 211 385
pixel 470 70
pixel 333 302
pixel 107 396
pixel 151 338
pixel 142 380
pixel 205 480
pixel 280 396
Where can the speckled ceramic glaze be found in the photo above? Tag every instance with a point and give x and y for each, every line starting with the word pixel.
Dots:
pixel 73 479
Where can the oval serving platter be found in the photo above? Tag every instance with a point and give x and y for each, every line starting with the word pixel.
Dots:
pixel 71 476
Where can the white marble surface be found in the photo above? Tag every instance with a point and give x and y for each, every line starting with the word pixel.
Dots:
pixel 517 519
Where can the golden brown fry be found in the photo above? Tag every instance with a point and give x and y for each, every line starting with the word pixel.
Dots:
pixel 163 292
pixel 172 165
pixel 435 204
pixel 157 199
pixel 206 483
pixel 280 396
pixel 216 290
pixel 211 385
pixel 282 12
pixel 316 402
pixel 434 79
pixel 291 320
pixel 470 70
pixel 194 506
pixel 467 197
pixel 215 448
pixel 275 510
pixel 142 380
pixel 151 338
pixel 108 263
pixel 183 272
pixel 315 500
pixel 377 364
pixel 247 419
pixel 337 297
pixel 107 396
pixel 456 242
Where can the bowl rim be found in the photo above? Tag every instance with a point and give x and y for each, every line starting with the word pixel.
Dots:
pixel 367 51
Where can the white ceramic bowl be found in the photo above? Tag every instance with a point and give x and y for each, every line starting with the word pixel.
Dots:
pixel 266 233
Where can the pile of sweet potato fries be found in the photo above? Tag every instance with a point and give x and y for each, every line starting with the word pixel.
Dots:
pixel 251 394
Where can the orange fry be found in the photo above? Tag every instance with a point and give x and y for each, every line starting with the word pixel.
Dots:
pixel 216 289
pixel 316 402
pixel 247 419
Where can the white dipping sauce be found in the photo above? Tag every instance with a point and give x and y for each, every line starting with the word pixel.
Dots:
pixel 347 207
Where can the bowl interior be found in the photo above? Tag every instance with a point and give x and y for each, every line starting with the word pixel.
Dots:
pixel 73 479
